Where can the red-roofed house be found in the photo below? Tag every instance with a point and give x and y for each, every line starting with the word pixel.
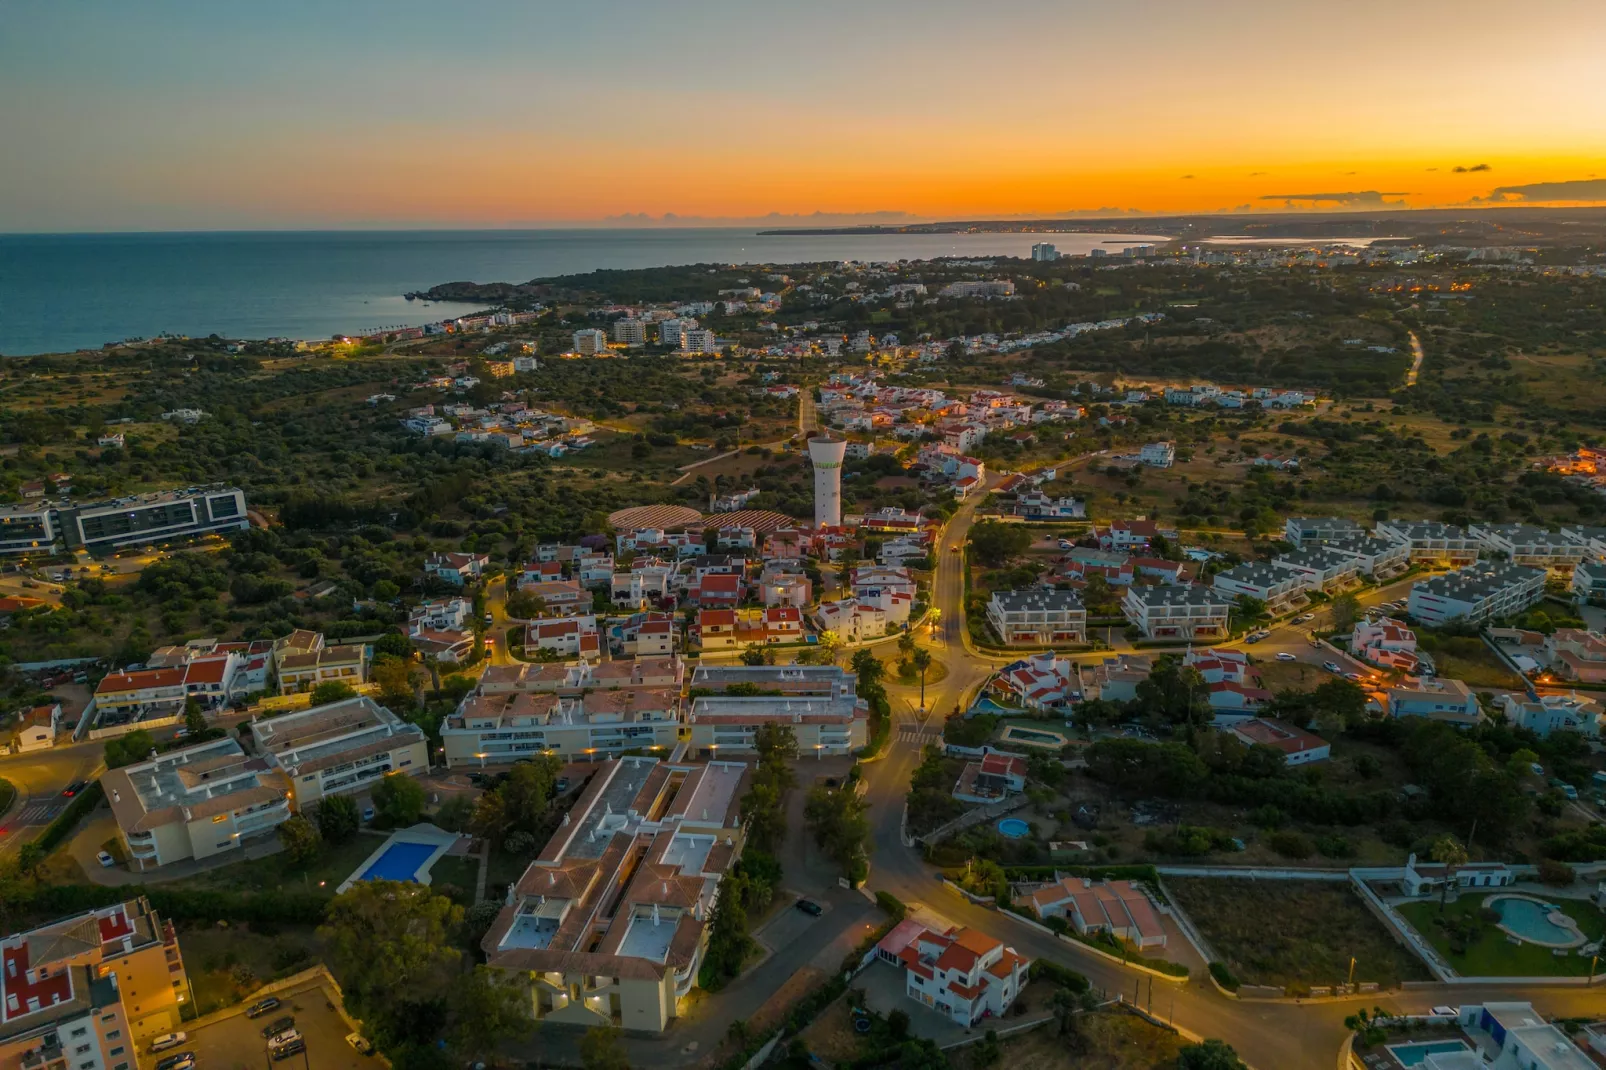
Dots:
pixel 1386 643
pixel 571 637
pixel 1120 908
pixel 716 590
pixel 1126 534
pixel 211 680
pixel 963 974
pixel 142 693
pixel 1230 701
pixel 721 629
pixel 994 777
pixel 1298 746
pixel 37 729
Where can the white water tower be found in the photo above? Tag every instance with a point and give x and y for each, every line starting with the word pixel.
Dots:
pixel 827 452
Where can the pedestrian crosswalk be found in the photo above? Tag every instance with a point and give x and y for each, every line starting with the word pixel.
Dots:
pixel 921 734
pixel 38 813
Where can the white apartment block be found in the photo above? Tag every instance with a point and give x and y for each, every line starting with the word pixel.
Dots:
pixel 698 340
pixel 820 705
pixel 195 803
pixel 590 342
pixel 340 748
pixel 1476 594
pixel 1432 543
pixel 1037 617
pixel 1182 613
pixel 1589 583
pixel 1377 557
pixel 501 727
pixel 630 331
pixel 1303 530
pixel 1277 587
pixel 1523 544
pixel 1319 568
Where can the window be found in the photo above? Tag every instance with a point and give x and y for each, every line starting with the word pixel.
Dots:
pixel 219 819
pixel 88 1064
pixel 120 1066
pixel 79 1031
pixel 115 1051
pixel 113 1034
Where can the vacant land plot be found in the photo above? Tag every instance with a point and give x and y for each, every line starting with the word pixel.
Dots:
pixel 1291 933
pixel 1488 952
pixel 1102 1041
pixel 227 964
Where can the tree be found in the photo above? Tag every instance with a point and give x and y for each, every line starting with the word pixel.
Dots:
pixel 136 746
pixel 392 942
pixel 1346 611
pixel 830 643
pixel 194 717
pixel 485 1012
pixel 921 660
pixel 522 605
pixel 755 654
pixel 527 792
pixel 1176 693
pixel 600 1049
pixel 394 676
pixel 1211 1055
pixel 906 644
pixel 841 829
pixel 1448 850
pixel 302 843
pixel 1246 612
pixel 332 691
pixel 995 543
pixel 399 800
pixel 337 818
pixel 869 670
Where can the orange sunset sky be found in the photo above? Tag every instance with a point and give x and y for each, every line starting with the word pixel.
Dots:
pixel 180 115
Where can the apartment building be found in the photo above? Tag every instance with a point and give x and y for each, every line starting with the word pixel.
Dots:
pixel 698 340
pixel 963 974
pixel 1183 613
pixel 1376 557
pixel 195 802
pixel 339 748
pixel 85 992
pixel 630 331
pixel 502 727
pixel 1589 583
pixel 1319 568
pixel 1524 544
pixel 1432 543
pixel 1304 530
pixel 819 703
pixel 131 521
pixel 581 676
pixel 1037 617
pixel 590 342
pixel 304 670
pixel 1279 588
pixel 608 925
pixel 725 629
pixel 140 695
pixel 1476 594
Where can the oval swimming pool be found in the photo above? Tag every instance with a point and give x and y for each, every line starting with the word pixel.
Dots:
pixel 1530 920
pixel 1014 828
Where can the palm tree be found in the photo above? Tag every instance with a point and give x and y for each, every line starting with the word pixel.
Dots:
pixel 921 660
pixel 1448 850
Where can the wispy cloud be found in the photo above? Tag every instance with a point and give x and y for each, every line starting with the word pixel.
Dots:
pixel 1254 174
pixel 1469 170
pixel 1370 198
pixel 1581 189
pixel 1187 176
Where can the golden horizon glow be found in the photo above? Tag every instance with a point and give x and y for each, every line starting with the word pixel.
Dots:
pixel 186 115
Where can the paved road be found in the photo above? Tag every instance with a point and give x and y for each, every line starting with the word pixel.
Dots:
pixel 39 778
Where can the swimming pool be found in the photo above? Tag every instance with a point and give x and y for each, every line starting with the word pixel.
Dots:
pixel 1031 737
pixel 1535 921
pixel 1014 828
pixel 399 862
pixel 1416 1054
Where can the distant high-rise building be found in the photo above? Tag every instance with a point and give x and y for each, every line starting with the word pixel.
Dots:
pixel 669 331
pixel 827 453
pixel 590 342
pixel 1098 252
pixel 630 331
pixel 1044 251
pixel 698 340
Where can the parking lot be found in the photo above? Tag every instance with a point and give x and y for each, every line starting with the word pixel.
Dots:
pixel 234 1042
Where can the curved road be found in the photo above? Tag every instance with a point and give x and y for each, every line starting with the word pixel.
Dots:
pixel 1268 1035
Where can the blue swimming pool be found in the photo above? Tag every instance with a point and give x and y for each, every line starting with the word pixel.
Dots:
pixel 400 862
pixel 1416 1054
pixel 1014 828
pixel 1530 920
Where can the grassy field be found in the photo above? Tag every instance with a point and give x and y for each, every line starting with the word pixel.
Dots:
pixel 227 964
pixel 1284 933
pixel 1491 954
pixel 275 874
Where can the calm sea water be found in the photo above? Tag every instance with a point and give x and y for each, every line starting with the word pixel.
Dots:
pixel 60 292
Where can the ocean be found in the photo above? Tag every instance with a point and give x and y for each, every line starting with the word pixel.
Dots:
pixel 61 292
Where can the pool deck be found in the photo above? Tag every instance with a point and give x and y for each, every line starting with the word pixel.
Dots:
pixel 439 840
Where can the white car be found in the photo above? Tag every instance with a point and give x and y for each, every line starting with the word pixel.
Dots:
pixel 168 1040
pixel 1283 655
pixel 105 859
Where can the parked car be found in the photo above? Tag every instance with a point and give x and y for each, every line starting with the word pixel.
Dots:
pixel 1304 618
pixel 359 1044
pixel 809 906
pixel 293 1047
pixel 1353 677
pixel 182 1061
pixel 105 859
pixel 166 1041
pixel 367 815
pixel 263 1006
pixel 288 1036
pixel 1283 655
pixel 1446 1012
pixel 278 1025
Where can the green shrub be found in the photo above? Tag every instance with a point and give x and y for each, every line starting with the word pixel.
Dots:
pixel 1224 976
pixel 1063 976
pixel 892 905
pixel 1290 844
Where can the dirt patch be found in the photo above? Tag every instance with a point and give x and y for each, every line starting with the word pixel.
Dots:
pixel 831 1035
pixel 776 1007
pixel 1102 1041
